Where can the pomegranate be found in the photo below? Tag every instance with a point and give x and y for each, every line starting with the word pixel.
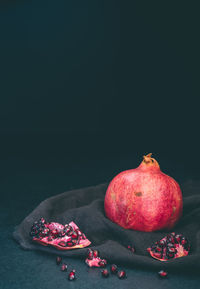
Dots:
pixel 57 235
pixel 144 199
pixel 171 246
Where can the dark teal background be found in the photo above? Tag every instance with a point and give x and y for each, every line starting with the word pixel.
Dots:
pixel 102 76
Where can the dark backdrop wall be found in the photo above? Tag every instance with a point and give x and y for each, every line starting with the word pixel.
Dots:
pixel 100 79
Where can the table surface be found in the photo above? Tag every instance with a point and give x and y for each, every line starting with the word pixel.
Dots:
pixel 24 184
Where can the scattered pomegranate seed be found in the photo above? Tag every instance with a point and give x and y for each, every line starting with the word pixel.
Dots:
pixel 105 273
pixel 162 274
pixel 64 267
pixel 58 260
pixel 113 269
pixel 121 274
pixel 71 275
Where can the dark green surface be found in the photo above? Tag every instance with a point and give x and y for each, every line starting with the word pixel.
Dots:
pixel 24 184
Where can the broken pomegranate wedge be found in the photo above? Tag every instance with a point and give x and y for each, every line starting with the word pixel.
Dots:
pixel 62 237
pixel 93 259
pixel 171 246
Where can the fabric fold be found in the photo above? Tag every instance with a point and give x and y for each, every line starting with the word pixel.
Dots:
pixel 86 208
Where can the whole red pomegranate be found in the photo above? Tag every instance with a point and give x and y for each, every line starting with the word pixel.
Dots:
pixel 144 199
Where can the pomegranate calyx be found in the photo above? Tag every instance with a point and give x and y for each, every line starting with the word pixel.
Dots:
pixel 148 160
pixel 149 163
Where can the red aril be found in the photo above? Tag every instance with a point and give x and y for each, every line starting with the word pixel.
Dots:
pixel 144 199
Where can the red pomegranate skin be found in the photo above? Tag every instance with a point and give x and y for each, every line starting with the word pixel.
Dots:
pixel 144 199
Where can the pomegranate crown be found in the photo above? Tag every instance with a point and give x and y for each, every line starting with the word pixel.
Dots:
pixel 149 161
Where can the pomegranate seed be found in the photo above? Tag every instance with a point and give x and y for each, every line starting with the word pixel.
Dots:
pixel 70 233
pixel 158 249
pixel 58 260
pixel 178 238
pixel 62 243
pixel 113 269
pixel 64 267
pixel 158 255
pixel 50 238
pixel 162 243
pixel 90 255
pixel 70 244
pixel 89 250
pixel 95 253
pixel 83 236
pixel 162 274
pixel 74 242
pixel 121 274
pixel 105 273
pixel 42 221
pixel 71 275
pixel 102 263
pixel 183 241
pixel 78 232
pixel 172 250
pixel 74 235
pixel 46 231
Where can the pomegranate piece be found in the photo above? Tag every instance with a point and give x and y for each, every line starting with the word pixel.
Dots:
pixel 93 261
pixel 121 274
pixel 55 234
pixel 144 198
pixel 105 273
pixel 171 246
pixel 162 274
pixel 96 262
